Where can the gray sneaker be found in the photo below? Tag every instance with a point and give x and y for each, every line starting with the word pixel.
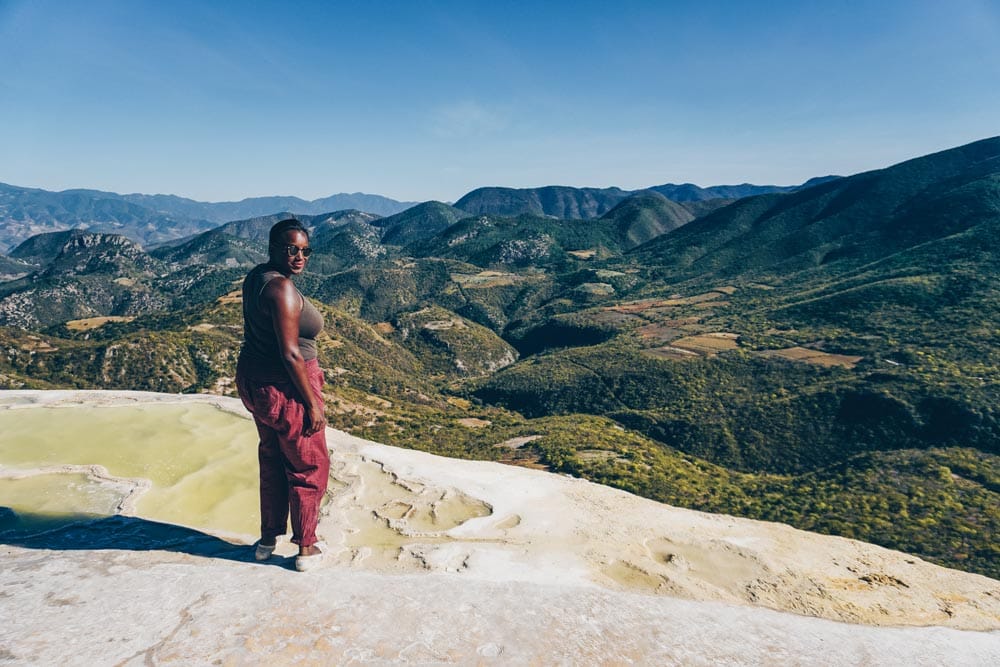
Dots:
pixel 262 552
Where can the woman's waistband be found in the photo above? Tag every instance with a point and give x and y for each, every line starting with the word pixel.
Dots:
pixel 267 372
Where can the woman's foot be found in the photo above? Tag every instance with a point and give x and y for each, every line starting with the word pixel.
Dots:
pixel 265 547
pixel 310 557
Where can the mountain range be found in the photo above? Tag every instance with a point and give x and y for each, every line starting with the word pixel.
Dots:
pixel 585 203
pixel 153 219
pixel 824 357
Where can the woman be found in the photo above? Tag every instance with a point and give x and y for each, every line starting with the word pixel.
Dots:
pixel 280 383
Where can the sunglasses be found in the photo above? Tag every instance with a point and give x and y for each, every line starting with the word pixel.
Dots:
pixel 293 250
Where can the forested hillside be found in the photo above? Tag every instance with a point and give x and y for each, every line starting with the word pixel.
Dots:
pixel 825 356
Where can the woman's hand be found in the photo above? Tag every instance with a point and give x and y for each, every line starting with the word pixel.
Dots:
pixel 315 421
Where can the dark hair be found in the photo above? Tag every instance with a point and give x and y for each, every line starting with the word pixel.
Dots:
pixel 276 237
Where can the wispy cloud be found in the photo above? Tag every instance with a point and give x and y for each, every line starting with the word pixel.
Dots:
pixel 466 119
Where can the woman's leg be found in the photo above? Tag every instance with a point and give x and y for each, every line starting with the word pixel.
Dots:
pixel 307 467
pixel 303 463
pixel 273 486
pixel 263 403
pixel 307 471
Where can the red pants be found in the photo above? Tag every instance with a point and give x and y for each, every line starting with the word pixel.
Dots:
pixel 294 469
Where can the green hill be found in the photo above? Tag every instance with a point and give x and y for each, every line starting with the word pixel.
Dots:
pixel 646 215
pixel 451 345
pixel 34 304
pixel 554 200
pixel 418 223
pixel 837 225
pixel 520 242
pixel 342 244
pixel 380 292
pixel 213 248
pixel 340 239
pixel 42 249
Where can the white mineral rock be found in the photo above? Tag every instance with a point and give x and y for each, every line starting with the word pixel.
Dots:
pixel 435 561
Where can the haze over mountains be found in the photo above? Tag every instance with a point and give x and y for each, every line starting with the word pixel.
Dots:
pixel 825 357
pixel 152 219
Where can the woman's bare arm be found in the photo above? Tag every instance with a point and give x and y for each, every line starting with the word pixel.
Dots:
pixel 284 303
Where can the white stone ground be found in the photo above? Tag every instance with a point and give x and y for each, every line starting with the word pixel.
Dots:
pixel 436 561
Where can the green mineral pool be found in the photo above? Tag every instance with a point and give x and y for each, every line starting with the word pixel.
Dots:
pixel 189 464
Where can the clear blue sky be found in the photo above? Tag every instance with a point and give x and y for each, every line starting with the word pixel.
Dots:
pixel 427 100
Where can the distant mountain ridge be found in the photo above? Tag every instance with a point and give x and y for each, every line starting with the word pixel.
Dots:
pixel 686 192
pixel 585 203
pixel 25 212
pixel 258 206
pixel 153 219
pixel 156 219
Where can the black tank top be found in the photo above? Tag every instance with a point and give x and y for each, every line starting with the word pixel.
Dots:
pixel 260 350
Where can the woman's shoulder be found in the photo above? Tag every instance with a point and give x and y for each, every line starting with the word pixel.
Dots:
pixel 278 288
pixel 263 274
pixel 263 270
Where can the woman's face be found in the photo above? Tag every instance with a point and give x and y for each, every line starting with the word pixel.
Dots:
pixel 293 241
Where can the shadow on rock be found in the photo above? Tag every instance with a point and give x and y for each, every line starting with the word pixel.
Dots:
pixel 118 532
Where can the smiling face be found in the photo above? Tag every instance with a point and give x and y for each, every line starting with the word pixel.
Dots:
pixel 294 241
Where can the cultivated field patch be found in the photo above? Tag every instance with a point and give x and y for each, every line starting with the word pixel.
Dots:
pixel 461 403
pixel 88 323
pixel 708 344
pixel 813 357
pixel 700 298
pixel 236 296
pixel 683 322
pixel 36 344
pixel 664 331
pixel 474 422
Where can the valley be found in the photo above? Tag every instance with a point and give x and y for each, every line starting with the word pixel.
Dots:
pixel 825 357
